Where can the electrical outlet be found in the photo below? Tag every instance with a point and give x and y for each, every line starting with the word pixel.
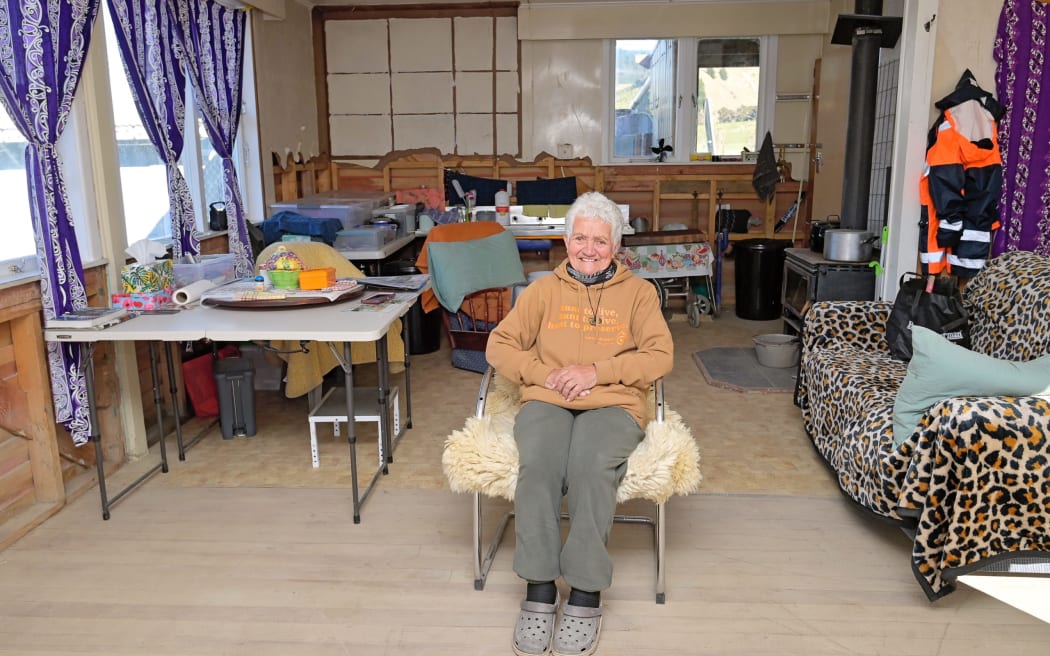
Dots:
pixel 565 151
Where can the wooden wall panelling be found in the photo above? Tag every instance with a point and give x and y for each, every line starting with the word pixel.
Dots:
pixel 297 178
pixel 31 477
pixel 16 476
pixel 665 194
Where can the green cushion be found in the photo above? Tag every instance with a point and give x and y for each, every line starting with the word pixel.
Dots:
pixel 941 370
pixel 458 268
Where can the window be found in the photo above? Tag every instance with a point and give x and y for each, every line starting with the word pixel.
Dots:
pixel 143 178
pixel 18 257
pixel 18 239
pixel 727 95
pixel 674 98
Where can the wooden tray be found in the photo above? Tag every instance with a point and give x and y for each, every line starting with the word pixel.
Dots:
pixel 292 302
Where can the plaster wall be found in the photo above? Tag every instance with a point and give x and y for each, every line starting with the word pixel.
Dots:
pixel 965 37
pixel 287 95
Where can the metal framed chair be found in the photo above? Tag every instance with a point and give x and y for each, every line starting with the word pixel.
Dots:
pixel 482 459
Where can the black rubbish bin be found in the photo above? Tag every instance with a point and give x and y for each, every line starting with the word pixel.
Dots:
pixel 759 265
pixel 425 328
pixel 234 380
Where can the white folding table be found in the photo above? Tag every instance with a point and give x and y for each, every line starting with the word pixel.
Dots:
pixel 329 323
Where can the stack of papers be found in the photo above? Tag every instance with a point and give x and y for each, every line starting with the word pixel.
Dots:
pixel 409 283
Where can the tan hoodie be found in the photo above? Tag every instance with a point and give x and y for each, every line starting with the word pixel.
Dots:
pixel 550 327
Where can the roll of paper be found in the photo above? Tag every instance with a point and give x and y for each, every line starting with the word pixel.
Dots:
pixel 191 292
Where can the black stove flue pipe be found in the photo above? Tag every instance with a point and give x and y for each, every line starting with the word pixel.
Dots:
pixel 866 31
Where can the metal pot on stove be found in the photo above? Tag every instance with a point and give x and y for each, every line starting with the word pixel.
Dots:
pixel 845 245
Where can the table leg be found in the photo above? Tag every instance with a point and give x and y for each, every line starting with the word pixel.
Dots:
pixel 87 351
pixel 157 402
pixel 385 439
pixel 174 389
pixel 406 330
pixel 351 429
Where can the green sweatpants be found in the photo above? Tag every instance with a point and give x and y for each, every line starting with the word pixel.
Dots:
pixel 582 454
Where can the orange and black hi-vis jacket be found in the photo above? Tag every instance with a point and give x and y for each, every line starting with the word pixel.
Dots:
pixel 960 186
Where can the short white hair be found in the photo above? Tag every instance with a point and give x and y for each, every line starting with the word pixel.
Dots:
pixel 594 205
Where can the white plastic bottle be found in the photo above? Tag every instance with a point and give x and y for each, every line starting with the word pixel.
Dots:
pixel 503 206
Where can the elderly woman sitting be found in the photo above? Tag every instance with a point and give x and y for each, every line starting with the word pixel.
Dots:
pixel 584 344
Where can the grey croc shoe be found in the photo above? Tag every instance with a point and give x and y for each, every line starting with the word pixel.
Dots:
pixel 535 628
pixel 578 631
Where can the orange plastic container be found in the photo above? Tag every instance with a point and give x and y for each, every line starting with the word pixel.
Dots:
pixel 317 278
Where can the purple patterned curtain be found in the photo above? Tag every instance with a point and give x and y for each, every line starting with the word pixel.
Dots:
pixel 42 46
pixel 212 40
pixel 1021 52
pixel 146 38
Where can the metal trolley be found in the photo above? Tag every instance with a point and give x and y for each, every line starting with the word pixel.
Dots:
pixel 678 263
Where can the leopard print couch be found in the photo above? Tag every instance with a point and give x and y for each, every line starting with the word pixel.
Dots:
pixel 972 482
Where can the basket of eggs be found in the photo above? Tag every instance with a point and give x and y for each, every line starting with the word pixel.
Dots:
pixel 284 267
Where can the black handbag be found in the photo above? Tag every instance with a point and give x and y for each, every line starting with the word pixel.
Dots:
pixel 933 302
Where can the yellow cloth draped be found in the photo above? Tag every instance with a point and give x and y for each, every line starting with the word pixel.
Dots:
pixel 307 370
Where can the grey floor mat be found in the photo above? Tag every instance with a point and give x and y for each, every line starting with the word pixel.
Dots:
pixel 738 368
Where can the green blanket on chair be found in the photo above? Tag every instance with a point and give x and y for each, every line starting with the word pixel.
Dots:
pixel 459 268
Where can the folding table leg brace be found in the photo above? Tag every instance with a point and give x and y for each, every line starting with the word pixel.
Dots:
pixel 87 351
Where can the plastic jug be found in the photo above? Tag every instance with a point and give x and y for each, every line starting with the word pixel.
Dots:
pixel 503 206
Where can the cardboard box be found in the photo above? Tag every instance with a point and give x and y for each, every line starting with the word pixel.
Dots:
pixel 317 278
pixel 144 278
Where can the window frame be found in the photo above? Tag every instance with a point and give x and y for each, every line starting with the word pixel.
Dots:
pixel 685 123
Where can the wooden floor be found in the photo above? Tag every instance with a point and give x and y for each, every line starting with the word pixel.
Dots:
pixel 246 549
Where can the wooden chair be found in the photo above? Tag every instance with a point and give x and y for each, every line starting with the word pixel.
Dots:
pixel 482 459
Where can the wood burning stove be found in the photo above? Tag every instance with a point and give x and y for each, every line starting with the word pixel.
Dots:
pixel 808 277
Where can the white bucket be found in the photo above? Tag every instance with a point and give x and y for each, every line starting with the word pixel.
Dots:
pixel 780 351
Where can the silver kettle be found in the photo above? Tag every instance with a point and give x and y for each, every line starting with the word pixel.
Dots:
pixel 640 224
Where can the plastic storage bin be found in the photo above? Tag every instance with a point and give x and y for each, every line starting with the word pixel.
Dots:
pixel 349 213
pixel 234 379
pixel 365 238
pixel 267 367
pixel 352 208
pixel 403 215
pixel 217 268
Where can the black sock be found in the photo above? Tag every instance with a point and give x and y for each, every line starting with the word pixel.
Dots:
pixel 544 592
pixel 585 599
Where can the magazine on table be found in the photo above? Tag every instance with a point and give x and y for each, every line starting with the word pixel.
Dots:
pixel 89 317
pixel 409 283
pixel 248 289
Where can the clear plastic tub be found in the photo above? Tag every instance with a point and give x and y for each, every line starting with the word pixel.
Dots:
pixel 217 268
pixel 365 238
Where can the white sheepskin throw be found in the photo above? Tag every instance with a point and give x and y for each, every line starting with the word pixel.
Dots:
pixel 483 457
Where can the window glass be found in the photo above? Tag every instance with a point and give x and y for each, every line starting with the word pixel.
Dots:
pixel 18 239
pixel 211 168
pixel 727 93
pixel 143 180
pixel 644 96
